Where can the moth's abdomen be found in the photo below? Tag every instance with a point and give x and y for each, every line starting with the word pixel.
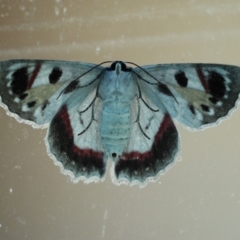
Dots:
pixel 115 130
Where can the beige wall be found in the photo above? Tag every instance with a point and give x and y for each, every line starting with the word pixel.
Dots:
pixel 199 198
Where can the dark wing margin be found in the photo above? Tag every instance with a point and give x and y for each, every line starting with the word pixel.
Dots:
pixel 222 82
pixel 141 167
pixel 83 163
pixel 14 82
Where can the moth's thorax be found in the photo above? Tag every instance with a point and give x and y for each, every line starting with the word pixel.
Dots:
pixel 117 86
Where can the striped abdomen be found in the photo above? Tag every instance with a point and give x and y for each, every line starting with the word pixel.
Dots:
pixel 115 129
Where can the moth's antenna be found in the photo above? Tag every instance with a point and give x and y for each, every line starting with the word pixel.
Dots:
pixel 138 122
pixel 89 105
pixel 74 81
pixel 93 69
pixel 140 97
pixel 92 117
pixel 143 70
pixel 138 116
pixel 158 82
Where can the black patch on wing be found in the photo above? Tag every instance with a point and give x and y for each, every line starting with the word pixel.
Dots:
pixel 23 96
pixel 55 75
pixel 140 166
pixel 164 89
pixel 82 162
pixel 205 108
pixel 31 104
pixel 216 85
pixel 223 87
pixel 44 105
pixel 71 87
pixel 213 100
pixel 192 109
pixel 181 79
pixel 19 82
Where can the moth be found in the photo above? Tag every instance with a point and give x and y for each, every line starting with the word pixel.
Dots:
pixel 118 112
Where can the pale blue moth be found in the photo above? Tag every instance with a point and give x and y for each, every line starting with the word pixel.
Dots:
pixel 96 113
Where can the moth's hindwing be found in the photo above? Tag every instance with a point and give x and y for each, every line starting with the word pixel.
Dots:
pixel 143 162
pixel 81 155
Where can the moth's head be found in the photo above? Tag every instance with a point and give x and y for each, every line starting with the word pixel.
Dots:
pixel 119 67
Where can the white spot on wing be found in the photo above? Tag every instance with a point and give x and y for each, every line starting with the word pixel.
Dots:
pixel 9 76
pixel 25 108
pixel 211 112
pixel 16 100
pixel 219 104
